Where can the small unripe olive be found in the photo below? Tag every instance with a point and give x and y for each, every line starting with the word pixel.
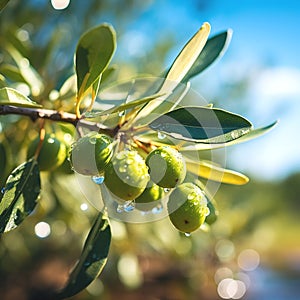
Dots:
pixel 52 153
pixel 187 207
pixel 150 196
pixel 91 153
pixel 166 167
pixel 126 175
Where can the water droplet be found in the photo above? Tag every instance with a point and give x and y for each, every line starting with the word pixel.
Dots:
pixel 161 135
pixel 145 212
pixel 93 140
pixel 157 209
pixel 123 169
pixel 89 114
pixel 187 234
pixel 129 161
pixel 95 256
pixel 86 264
pixel 3 190
pixel 207 211
pixel 129 206
pixel 120 208
pixel 98 179
pixel 191 196
pixel 234 134
pixel 127 177
pixel 122 113
pixel 50 140
pixel 167 190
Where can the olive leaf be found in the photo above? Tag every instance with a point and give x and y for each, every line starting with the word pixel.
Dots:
pixel 93 54
pixel 251 134
pixel 124 106
pixel 3 4
pixel 180 66
pixel 27 71
pixel 9 96
pixel 208 170
pixel 92 260
pixel 12 72
pixel 201 124
pixel 20 196
pixel 214 48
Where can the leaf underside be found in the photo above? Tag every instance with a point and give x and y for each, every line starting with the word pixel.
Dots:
pixel 206 169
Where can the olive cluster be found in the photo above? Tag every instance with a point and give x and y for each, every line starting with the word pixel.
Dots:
pixel 128 176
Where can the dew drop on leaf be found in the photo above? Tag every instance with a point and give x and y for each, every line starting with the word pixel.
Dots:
pixel 122 169
pixel 187 234
pixel 98 179
pixel 161 135
pixel 93 140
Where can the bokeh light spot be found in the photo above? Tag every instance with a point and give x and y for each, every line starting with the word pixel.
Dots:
pixel 248 260
pixel 60 4
pixel 42 230
pixel 230 288
pixel 84 207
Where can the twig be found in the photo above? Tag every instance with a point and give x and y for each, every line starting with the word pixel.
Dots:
pixel 56 116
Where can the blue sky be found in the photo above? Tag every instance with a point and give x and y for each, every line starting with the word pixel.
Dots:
pixel 266 43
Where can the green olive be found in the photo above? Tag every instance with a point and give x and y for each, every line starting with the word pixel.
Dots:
pixel 91 153
pixel 126 175
pixel 166 167
pixel 187 207
pixel 52 153
pixel 150 197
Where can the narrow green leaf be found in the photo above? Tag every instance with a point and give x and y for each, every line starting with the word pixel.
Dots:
pixel 3 4
pixel 166 105
pixel 20 196
pixel 93 54
pixel 27 71
pixel 252 134
pixel 208 170
pixel 180 66
pixel 213 49
pixel 3 82
pixel 124 106
pixel 201 124
pixel 12 72
pixel 9 96
pixel 93 258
